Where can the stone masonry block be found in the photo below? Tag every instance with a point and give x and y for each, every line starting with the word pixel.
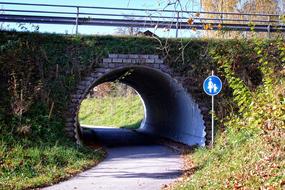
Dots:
pixel 81 87
pixel 89 78
pixel 113 55
pixel 135 61
pixel 156 65
pixel 158 61
pixel 112 65
pixel 149 60
pixel 79 91
pixel 96 75
pixel 107 60
pixel 75 100
pixel 86 83
pixel 76 96
pixel 72 110
pixel 123 56
pixel 69 129
pixel 127 60
pixel 103 65
pixel 162 66
pixel 102 70
pixel 116 60
pixel 71 120
pixel 143 56
pixel 153 57
pixel 133 56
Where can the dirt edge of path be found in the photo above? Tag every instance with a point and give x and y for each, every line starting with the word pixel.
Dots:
pixel 189 167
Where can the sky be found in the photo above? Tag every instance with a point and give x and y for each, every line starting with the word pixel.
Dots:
pixel 99 30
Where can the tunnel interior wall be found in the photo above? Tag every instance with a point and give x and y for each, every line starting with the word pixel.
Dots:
pixel 169 110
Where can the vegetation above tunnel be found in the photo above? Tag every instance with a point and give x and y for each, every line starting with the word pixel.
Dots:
pixel 38 72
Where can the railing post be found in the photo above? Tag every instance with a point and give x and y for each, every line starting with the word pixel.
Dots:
pixel 177 24
pixel 268 28
pixel 222 10
pixel 77 17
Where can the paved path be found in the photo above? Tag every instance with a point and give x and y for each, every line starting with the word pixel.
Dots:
pixel 134 162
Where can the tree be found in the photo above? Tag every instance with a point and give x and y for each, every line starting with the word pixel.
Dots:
pixel 248 6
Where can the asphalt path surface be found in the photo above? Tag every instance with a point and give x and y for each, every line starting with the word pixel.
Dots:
pixel 134 161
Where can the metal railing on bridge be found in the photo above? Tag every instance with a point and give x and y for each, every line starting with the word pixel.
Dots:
pixel 143 18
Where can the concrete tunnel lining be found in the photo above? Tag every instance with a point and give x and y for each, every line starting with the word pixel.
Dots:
pixel 169 110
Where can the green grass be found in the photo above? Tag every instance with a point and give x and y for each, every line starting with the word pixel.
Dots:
pixel 30 162
pixel 240 159
pixel 44 156
pixel 112 111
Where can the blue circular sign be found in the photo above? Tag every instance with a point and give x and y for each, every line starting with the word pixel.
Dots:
pixel 212 85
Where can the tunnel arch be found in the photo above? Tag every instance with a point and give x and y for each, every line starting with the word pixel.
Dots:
pixel 169 110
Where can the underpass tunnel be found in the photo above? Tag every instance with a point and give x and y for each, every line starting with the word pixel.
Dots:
pixel 169 111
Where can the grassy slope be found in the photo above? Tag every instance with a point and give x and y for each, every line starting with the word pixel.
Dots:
pixel 41 159
pixel 31 162
pixel 112 111
pixel 240 159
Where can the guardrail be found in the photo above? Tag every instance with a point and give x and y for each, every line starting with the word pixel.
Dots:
pixel 133 17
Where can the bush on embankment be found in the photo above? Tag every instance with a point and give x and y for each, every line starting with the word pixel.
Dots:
pixel 39 71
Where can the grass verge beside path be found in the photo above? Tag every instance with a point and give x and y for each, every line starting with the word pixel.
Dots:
pixel 27 163
pixel 44 156
pixel 241 159
pixel 112 111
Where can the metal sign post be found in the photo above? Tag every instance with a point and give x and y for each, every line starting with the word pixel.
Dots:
pixel 212 86
pixel 213 110
pixel 212 140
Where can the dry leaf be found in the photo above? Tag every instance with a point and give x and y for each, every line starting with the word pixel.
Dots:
pixel 220 26
pixel 208 27
pixel 190 21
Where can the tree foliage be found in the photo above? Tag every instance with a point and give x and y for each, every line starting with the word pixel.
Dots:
pixel 249 6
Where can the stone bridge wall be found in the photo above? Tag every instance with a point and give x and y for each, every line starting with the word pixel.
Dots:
pixel 111 63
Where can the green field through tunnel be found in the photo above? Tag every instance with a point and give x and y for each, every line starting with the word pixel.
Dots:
pixel 112 105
